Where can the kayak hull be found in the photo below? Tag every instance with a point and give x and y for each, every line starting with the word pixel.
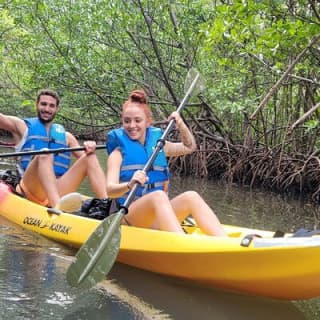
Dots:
pixel 288 271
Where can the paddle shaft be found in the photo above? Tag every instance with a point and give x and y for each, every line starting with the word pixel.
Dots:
pixel 46 151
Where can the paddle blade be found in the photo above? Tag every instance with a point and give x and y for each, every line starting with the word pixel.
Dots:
pixel 97 256
pixel 200 85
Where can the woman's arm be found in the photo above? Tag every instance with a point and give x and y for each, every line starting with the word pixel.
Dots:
pixel 187 144
pixel 115 189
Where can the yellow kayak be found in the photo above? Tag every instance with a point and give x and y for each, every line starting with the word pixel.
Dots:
pixel 283 268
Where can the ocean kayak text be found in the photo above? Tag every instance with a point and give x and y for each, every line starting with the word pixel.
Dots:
pixel 51 226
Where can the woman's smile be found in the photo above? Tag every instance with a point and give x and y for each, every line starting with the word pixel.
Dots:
pixel 135 123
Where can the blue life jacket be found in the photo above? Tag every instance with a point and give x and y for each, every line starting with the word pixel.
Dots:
pixel 37 139
pixel 135 156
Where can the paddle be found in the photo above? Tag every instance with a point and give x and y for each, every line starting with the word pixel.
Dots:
pixel 46 151
pixel 98 254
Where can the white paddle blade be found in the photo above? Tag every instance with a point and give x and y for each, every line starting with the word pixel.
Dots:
pixel 200 85
pixel 97 256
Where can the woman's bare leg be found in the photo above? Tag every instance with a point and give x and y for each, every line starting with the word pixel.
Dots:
pixel 191 203
pixel 154 209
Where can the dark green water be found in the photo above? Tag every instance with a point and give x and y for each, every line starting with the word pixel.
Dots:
pixel 33 284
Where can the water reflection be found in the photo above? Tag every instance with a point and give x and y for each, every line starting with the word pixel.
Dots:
pixel 100 304
pixel 180 300
pixel 30 271
pixel 33 283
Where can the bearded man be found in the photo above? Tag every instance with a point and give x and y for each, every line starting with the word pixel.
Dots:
pixel 47 177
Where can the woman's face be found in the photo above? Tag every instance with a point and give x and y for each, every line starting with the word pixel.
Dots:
pixel 135 122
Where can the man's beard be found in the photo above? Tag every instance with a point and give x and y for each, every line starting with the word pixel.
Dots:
pixel 45 120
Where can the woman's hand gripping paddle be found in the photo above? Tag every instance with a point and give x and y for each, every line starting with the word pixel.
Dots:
pixel 98 254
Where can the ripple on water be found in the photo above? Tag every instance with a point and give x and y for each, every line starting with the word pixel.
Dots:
pixel 60 298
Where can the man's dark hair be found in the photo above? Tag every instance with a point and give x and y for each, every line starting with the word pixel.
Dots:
pixel 48 92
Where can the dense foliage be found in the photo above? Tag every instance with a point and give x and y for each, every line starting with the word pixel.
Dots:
pixel 260 60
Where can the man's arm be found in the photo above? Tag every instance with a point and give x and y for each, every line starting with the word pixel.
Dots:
pixel 90 146
pixel 72 142
pixel 14 125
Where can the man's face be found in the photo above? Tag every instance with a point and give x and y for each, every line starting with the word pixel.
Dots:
pixel 47 108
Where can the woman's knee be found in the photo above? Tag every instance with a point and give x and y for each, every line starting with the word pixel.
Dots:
pixel 191 195
pixel 158 197
pixel 159 194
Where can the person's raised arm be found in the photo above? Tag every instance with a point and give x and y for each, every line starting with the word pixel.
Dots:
pixel 14 125
pixel 187 144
